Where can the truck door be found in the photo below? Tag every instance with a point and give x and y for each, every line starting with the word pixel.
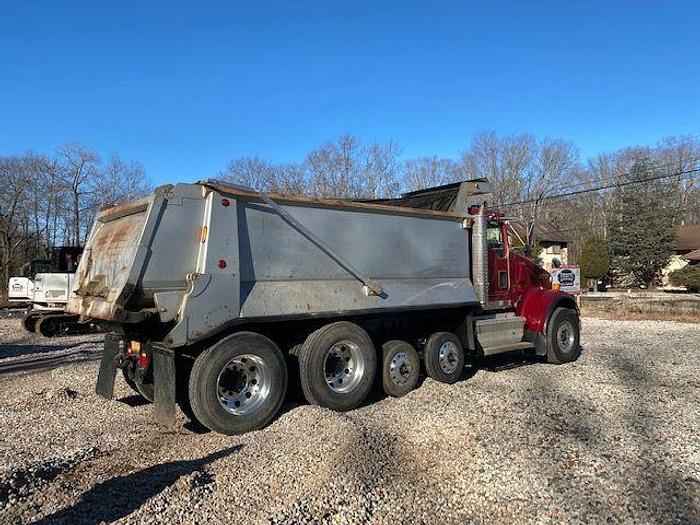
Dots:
pixel 499 278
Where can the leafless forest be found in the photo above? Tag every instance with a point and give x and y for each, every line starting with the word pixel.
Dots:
pixel 50 199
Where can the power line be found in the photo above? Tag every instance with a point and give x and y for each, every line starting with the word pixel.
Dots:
pixel 603 187
pixel 651 214
pixel 653 167
pixel 553 202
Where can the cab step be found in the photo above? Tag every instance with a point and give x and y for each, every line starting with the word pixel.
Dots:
pixel 522 345
pixel 497 334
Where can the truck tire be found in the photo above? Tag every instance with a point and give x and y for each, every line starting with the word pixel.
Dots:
pixel 337 364
pixel 238 384
pixel 401 368
pixel 128 378
pixel 145 390
pixel 444 357
pixel 563 336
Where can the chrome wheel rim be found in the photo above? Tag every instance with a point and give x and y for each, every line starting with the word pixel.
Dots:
pixel 400 369
pixel 343 367
pixel 565 336
pixel 448 357
pixel 243 384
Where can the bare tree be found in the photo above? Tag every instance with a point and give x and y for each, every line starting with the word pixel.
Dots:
pixel 682 154
pixel 554 166
pixel 78 165
pixel 506 162
pixel 426 172
pixel 252 172
pixel 346 169
pixel 16 180
pixel 289 179
pixel 118 181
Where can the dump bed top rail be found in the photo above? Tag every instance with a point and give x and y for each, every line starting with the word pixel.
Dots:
pixel 233 189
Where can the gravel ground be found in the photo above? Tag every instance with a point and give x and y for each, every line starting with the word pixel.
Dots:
pixel 611 438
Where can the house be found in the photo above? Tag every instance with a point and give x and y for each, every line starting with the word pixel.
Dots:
pixel 687 250
pixel 552 243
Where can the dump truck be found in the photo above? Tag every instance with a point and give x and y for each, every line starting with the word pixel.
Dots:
pixel 217 296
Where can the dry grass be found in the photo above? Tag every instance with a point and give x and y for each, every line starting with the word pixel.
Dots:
pixel 643 308
pixel 681 317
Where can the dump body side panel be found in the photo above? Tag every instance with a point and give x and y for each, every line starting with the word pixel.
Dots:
pixel 418 261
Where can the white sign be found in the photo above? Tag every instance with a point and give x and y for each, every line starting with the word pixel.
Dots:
pixel 569 279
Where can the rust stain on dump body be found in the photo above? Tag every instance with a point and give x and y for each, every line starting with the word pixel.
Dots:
pixel 103 283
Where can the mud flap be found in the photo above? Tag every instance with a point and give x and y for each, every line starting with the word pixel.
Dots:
pixel 539 340
pixel 164 385
pixel 108 366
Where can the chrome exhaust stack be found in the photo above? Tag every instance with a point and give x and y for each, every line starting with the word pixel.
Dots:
pixel 480 255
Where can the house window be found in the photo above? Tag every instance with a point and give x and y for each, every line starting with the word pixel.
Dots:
pixel 553 249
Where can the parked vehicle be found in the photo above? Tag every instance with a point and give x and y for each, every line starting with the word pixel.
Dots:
pixel 63 259
pixel 45 286
pixel 214 292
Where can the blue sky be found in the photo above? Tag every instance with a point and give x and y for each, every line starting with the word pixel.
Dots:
pixel 184 86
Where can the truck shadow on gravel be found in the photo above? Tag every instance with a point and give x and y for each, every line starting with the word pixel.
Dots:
pixel 650 487
pixel 118 497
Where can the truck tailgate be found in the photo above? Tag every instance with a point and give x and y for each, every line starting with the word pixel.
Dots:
pixel 113 258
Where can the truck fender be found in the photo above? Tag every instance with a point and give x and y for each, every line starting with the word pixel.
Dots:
pixel 537 307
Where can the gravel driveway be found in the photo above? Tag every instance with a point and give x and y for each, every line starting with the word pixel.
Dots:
pixel 614 437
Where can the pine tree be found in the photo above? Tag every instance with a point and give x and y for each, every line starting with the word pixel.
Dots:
pixel 642 230
pixel 594 260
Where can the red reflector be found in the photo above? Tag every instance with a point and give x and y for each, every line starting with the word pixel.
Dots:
pixel 225 202
pixel 143 360
pixel 222 263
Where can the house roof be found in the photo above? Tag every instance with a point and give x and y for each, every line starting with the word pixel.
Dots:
pixel 688 238
pixel 692 256
pixel 544 231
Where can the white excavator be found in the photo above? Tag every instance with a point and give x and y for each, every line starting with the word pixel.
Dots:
pixel 46 285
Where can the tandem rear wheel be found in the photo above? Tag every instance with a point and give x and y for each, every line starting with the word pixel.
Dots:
pixel 238 384
pixel 444 357
pixel 401 368
pixel 145 390
pixel 337 365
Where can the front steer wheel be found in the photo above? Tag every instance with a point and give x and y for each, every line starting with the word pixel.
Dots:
pixel 238 384
pixel 563 336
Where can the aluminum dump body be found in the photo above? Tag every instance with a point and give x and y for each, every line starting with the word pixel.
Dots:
pixel 201 257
